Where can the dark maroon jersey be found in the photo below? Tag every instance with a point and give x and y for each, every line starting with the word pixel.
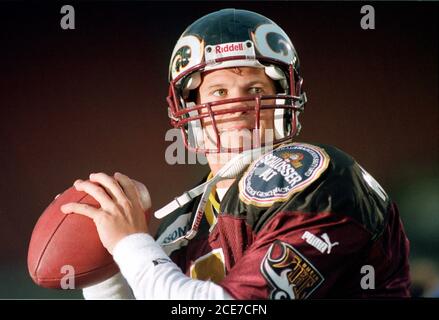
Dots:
pixel 303 221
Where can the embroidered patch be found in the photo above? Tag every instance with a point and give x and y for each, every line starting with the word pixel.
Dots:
pixel 288 273
pixel 277 175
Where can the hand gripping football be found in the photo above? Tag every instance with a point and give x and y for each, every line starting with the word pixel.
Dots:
pixel 66 248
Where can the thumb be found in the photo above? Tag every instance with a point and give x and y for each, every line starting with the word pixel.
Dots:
pixel 145 198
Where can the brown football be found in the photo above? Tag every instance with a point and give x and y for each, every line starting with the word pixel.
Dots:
pixel 68 245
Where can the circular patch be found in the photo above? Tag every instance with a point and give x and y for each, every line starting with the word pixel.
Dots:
pixel 277 175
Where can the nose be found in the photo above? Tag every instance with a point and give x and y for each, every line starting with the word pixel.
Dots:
pixel 239 106
pixel 238 94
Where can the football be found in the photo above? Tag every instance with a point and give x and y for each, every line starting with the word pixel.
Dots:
pixel 65 249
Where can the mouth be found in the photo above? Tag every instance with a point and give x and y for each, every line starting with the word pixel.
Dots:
pixel 242 122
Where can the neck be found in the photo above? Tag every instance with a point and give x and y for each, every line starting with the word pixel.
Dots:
pixel 216 162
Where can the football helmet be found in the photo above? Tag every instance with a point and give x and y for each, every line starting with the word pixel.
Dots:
pixel 234 38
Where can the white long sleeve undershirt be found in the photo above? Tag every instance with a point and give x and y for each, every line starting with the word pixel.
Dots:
pixel 141 279
pixel 115 287
pixel 151 275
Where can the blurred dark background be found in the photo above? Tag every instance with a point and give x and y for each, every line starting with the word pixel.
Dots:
pixel 92 99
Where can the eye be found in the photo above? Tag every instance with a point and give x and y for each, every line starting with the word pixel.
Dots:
pixel 219 92
pixel 255 90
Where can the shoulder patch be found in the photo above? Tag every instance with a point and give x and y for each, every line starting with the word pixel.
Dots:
pixel 279 174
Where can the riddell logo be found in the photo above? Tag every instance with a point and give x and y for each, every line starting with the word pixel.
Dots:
pixel 229 48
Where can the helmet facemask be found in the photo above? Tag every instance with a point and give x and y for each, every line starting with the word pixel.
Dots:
pixel 188 116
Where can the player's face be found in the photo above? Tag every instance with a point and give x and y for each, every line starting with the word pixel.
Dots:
pixel 236 128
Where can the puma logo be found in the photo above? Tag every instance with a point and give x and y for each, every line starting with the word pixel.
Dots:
pixel 323 244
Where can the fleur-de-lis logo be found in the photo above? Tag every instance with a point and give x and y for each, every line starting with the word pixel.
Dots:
pixel 187 53
pixel 182 58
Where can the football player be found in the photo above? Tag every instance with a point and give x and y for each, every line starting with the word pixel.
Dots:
pixel 278 219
